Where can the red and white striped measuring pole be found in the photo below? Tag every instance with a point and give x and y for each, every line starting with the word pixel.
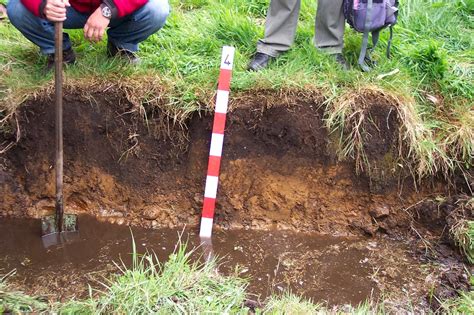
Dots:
pixel 217 141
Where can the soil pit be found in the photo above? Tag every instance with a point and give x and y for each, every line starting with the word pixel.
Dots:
pixel 279 173
pixel 277 169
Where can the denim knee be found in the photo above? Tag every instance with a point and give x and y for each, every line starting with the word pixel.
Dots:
pixel 157 11
pixel 17 13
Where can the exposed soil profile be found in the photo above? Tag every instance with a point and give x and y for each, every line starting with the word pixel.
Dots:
pixel 278 169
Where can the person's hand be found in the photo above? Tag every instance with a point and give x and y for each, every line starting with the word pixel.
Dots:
pixel 94 29
pixel 3 12
pixel 55 10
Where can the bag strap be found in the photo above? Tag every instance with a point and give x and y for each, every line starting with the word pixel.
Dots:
pixel 375 38
pixel 365 39
pixel 389 43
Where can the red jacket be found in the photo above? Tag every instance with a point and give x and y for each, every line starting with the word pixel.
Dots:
pixel 120 8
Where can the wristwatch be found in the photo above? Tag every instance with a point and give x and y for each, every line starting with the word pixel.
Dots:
pixel 106 12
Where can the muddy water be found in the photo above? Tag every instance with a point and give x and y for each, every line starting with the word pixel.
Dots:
pixel 319 267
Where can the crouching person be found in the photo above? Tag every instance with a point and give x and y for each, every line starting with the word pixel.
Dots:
pixel 127 23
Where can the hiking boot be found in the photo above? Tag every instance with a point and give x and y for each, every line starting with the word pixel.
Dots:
pixel 341 61
pixel 127 55
pixel 259 61
pixel 69 58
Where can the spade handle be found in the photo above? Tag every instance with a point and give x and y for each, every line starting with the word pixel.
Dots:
pixel 58 97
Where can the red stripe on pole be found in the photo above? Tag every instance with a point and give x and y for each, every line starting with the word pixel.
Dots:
pixel 208 208
pixel 219 123
pixel 224 80
pixel 213 165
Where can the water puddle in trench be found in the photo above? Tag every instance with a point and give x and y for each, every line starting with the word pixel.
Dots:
pixel 324 268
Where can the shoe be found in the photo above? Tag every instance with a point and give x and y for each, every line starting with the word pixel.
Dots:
pixel 342 61
pixel 259 61
pixel 369 61
pixel 114 51
pixel 69 58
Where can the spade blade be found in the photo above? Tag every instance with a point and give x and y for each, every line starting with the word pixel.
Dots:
pixel 49 224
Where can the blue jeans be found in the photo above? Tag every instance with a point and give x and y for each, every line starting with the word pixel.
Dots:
pixel 125 33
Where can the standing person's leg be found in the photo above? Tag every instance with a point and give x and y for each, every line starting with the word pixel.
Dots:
pixel 280 30
pixel 40 31
pixel 330 22
pixel 280 27
pixel 125 34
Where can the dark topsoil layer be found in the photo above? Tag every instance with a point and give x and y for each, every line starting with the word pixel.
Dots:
pixel 278 170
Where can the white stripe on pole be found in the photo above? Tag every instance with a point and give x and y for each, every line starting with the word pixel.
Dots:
pixel 222 100
pixel 217 141
pixel 206 227
pixel 211 187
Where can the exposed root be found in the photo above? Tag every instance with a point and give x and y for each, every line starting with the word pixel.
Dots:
pixel 417 149
pixel 147 96
pixel 7 145
pixel 461 222
pixel 266 99
pixel 368 126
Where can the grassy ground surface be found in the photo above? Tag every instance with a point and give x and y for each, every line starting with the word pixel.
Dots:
pixel 430 76
pixel 179 286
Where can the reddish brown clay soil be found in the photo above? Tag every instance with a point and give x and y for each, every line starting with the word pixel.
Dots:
pixel 277 170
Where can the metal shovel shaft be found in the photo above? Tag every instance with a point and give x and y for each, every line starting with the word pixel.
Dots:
pixel 58 84
pixel 53 226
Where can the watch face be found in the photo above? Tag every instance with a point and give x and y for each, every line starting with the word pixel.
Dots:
pixel 106 12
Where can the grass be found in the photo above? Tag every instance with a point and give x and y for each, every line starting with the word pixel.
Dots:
pixel 464 304
pixel 462 230
pixel 429 79
pixel 463 234
pixel 178 286
pixel 183 286
pixel 289 304
pixel 15 302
